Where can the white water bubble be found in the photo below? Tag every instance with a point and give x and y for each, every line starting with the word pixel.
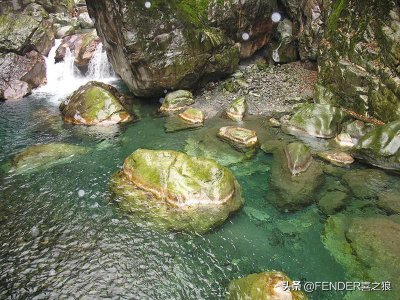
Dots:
pixel 35 231
pixel 165 91
pixel 161 100
pixel 245 36
pixel 81 193
pixel 147 4
pixel 276 17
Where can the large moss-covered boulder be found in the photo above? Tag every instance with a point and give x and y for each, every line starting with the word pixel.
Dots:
pixel 359 58
pixel 39 157
pixel 317 120
pixel 368 249
pixel 263 286
pixel 293 192
pixel 16 71
pixel 381 147
pixel 25 31
pixel 367 183
pixel 177 44
pixel 95 103
pixel 175 191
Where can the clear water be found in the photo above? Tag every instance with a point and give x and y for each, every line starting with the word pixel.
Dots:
pixel 54 243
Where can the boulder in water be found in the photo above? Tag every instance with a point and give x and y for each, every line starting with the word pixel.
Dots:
pixel 95 103
pixel 264 286
pixel 175 191
pixel 39 157
pixel 192 116
pixel 298 157
pixel 237 109
pixel 83 47
pixel 367 247
pixel 176 101
pixel 16 90
pixel 367 183
pixel 344 140
pixel 240 138
pixel 317 120
pixel 340 159
pixel 381 147
pixel 289 192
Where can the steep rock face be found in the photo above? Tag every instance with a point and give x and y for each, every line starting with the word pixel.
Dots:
pixel 308 21
pixel 177 44
pixel 51 6
pixel 30 68
pixel 360 56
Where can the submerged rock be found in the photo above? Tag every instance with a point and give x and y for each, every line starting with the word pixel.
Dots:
pixel 95 103
pixel 368 183
pixel 332 202
pixel 381 147
pixel 336 158
pixel 237 109
pixel 177 100
pixel 390 202
pixel 240 138
pixel 179 44
pixel 263 286
pixel 368 248
pixel 175 191
pixel 289 192
pixel 298 158
pixel 37 157
pixel 317 120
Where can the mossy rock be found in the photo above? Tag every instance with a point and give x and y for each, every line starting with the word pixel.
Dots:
pixel 337 158
pixel 298 157
pixel 40 157
pixel 367 247
pixel 242 139
pixel 381 147
pixel 95 103
pixel 176 101
pixel 293 192
pixel 263 286
pixel 367 183
pixel 318 120
pixel 176 192
pixel 237 110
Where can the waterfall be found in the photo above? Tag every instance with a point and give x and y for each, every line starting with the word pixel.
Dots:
pixel 99 66
pixel 63 78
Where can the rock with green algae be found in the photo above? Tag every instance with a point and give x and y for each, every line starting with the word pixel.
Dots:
pixel 177 100
pixel 290 192
pixel 242 139
pixel 176 192
pixel 191 118
pixel 39 157
pixel 202 35
pixel 381 147
pixel 298 157
pixel 389 201
pixel 95 103
pixel 332 202
pixel 263 286
pixel 207 144
pixel 317 120
pixel 237 110
pixel 367 183
pixel 368 248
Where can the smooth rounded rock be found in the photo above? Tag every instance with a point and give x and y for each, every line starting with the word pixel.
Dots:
pixel 177 100
pixel 240 138
pixel 298 157
pixel 95 103
pixel 340 159
pixel 237 109
pixel 175 191
pixel 192 116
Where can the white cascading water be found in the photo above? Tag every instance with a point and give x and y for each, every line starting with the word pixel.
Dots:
pixel 64 78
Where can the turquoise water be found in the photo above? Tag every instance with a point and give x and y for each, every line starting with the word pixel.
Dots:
pixel 55 243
